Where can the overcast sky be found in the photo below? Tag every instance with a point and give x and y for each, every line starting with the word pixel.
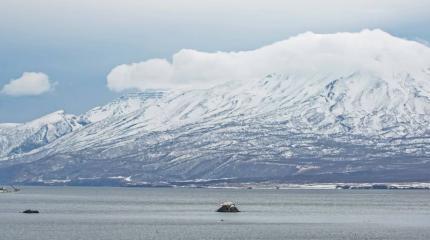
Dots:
pixel 57 54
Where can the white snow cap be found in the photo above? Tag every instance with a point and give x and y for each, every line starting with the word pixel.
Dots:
pixel 372 51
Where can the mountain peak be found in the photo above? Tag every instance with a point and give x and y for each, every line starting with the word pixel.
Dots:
pixel 49 118
pixel 341 105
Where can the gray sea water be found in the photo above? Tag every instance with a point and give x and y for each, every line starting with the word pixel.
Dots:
pixel 187 213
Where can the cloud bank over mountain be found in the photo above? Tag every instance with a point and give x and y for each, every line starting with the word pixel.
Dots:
pixel 29 84
pixel 302 55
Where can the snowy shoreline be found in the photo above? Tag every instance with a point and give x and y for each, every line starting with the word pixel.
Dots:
pixel 121 181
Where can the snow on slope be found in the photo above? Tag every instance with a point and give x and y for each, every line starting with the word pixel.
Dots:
pixel 22 138
pixel 359 104
pixel 123 105
pixel 19 138
pixel 336 106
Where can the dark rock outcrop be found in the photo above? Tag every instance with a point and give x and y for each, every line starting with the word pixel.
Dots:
pixel 228 207
pixel 30 211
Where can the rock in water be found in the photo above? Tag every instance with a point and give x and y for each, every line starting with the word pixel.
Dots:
pixel 29 211
pixel 228 207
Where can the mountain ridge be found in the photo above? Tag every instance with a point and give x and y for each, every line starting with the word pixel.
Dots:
pixel 371 123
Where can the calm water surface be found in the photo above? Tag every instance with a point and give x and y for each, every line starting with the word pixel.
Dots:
pixel 168 213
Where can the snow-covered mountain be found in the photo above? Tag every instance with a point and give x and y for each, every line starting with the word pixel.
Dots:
pixel 18 138
pixel 363 114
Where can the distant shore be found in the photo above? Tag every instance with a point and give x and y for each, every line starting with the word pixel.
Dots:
pixel 231 183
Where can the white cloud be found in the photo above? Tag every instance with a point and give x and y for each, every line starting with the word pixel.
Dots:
pixel 156 72
pixel 305 55
pixel 29 84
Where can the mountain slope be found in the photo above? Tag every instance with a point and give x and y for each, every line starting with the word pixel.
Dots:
pixel 123 105
pixel 367 119
pixel 22 138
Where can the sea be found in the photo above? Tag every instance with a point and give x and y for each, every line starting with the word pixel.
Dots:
pixel 91 213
